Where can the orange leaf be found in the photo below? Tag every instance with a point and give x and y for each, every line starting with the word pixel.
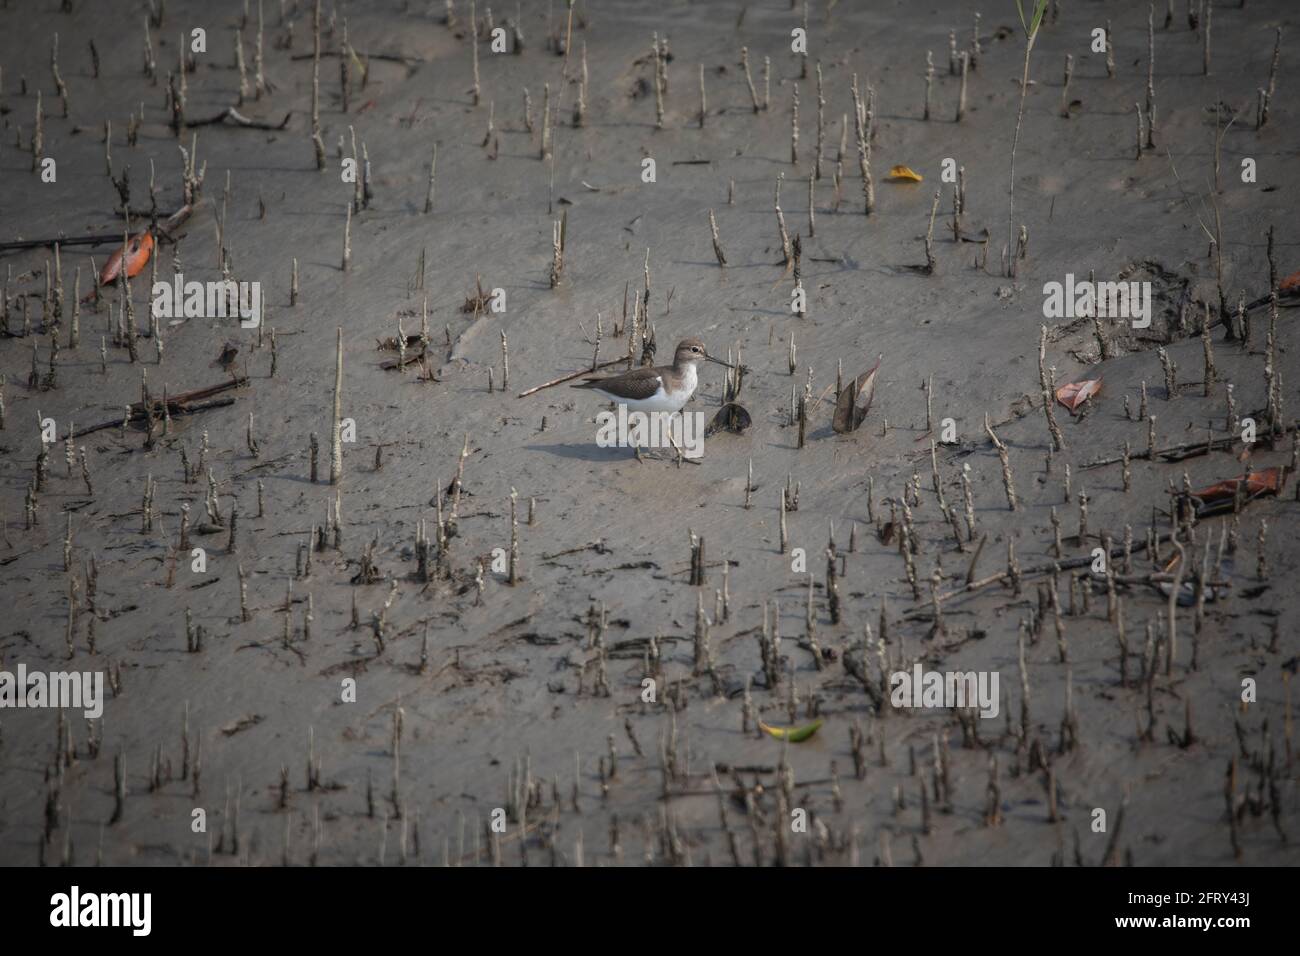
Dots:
pixel 1289 285
pixel 1268 481
pixel 903 174
pixel 1075 394
pixel 136 251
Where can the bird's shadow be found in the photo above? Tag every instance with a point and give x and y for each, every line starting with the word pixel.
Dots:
pixel 585 451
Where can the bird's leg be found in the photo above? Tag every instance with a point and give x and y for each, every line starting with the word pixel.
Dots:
pixel 672 440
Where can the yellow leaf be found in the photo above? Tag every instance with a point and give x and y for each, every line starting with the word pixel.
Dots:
pixel 793 734
pixel 357 60
pixel 904 174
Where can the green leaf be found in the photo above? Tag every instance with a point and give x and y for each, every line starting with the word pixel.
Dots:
pixel 1031 27
pixel 1039 10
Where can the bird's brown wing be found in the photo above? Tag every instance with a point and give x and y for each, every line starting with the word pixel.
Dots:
pixel 640 383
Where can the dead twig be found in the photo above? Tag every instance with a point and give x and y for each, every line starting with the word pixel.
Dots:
pixel 238 119
pixel 571 377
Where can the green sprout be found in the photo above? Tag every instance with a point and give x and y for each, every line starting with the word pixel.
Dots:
pixel 1031 33
pixel 1031 29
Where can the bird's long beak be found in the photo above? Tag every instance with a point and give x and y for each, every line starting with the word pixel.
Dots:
pixel 719 361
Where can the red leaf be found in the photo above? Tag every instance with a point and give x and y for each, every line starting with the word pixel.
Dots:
pixel 1075 394
pixel 1268 481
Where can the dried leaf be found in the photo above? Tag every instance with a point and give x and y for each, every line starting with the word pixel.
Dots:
pixel 903 174
pixel 848 414
pixel 1074 394
pixel 241 723
pixel 1290 285
pixel 731 417
pixel 1187 592
pixel 1266 482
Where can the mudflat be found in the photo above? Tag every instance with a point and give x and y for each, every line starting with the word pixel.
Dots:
pixel 363 593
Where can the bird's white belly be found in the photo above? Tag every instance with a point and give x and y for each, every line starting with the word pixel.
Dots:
pixel 661 400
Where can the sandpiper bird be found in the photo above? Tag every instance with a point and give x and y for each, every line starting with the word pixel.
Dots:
pixel 663 389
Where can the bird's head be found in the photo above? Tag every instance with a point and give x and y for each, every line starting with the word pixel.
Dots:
pixel 692 352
